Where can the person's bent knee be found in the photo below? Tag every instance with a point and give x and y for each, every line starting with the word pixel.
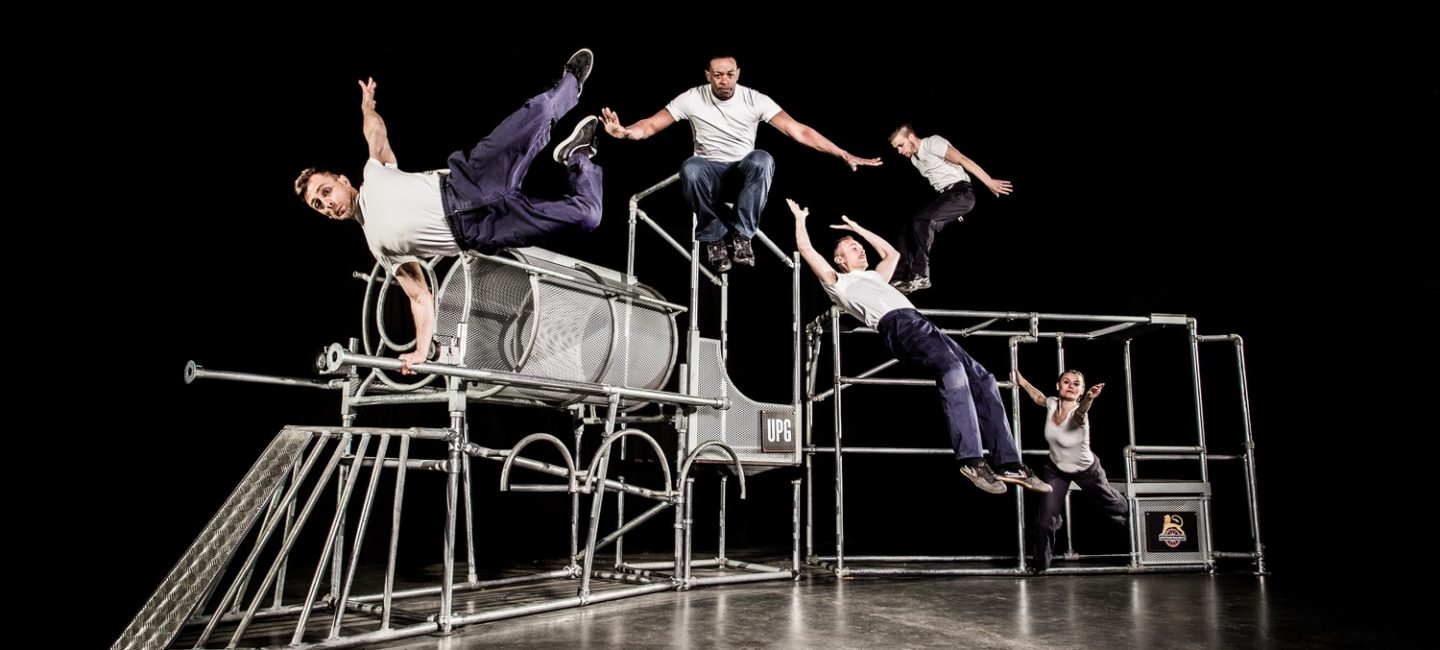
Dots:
pixel 590 220
pixel 758 164
pixel 693 170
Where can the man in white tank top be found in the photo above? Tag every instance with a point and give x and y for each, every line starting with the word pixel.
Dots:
pixel 968 392
pixel 945 168
pixel 727 168
pixel 476 205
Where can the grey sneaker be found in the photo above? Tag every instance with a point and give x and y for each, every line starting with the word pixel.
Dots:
pixel 718 258
pixel 579 65
pixel 919 282
pixel 1023 477
pixel 980 474
pixel 581 140
pixel 744 254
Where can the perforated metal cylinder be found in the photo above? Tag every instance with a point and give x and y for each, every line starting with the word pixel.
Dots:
pixel 567 320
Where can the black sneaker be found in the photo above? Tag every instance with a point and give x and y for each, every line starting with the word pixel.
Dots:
pixel 581 140
pixel 744 254
pixel 579 65
pixel 1023 477
pixel 980 474
pixel 718 258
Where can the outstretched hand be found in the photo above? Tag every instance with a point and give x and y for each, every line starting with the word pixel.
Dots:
pixel 848 225
pixel 1094 391
pixel 367 95
pixel 856 162
pixel 999 187
pixel 795 209
pixel 612 124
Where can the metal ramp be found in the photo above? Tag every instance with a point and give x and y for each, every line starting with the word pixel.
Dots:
pixel 193 578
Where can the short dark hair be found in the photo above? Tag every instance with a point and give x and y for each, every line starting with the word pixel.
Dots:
pixel 303 180
pixel 835 250
pixel 903 128
pixel 722 55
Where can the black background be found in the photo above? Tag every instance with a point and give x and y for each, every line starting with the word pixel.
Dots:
pixel 1269 179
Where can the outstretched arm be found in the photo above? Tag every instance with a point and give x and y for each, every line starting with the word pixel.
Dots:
pixel 639 130
pixel 813 258
pixel 812 138
pixel 1034 393
pixel 375 134
pixel 422 308
pixel 889 257
pixel 997 187
pixel 1082 406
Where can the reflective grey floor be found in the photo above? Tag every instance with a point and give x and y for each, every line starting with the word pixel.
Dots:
pixel 1094 611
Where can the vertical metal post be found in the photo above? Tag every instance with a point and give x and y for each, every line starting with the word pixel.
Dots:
pixel 1250 488
pixel 721 554
pixel 839 455
pixel 1190 331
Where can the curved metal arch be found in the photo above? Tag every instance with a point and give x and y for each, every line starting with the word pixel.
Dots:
pixel 689 460
pixel 605 449
pixel 515 452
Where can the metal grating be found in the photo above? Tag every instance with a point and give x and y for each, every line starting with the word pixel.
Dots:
pixel 1174 521
pixel 738 426
pixel 567 327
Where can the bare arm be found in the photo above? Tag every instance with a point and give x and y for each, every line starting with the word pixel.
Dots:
pixel 375 134
pixel 889 257
pixel 813 258
pixel 997 187
pixel 812 138
pixel 1034 393
pixel 639 130
pixel 1082 406
pixel 422 308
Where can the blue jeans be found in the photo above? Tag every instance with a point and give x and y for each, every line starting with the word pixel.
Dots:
pixel 482 197
pixel 919 235
pixel 1093 484
pixel 968 392
pixel 709 184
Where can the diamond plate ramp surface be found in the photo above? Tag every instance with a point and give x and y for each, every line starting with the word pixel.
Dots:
pixel 175 600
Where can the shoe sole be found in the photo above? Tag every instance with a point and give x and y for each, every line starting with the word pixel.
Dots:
pixel 581 82
pixel 987 487
pixel 565 144
pixel 1021 482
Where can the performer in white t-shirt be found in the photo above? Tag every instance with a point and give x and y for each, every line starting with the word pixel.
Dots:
pixel 474 205
pixel 727 168
pixel 945 168
pixel 968 392
pixel 1067 431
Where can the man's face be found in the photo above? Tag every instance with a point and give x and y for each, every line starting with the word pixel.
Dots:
pixel 905 143
pixel 330 195
pixel 850 256
pixel 722 75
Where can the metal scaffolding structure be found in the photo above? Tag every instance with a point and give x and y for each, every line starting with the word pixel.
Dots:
pixel 527 327
pixel 1145 496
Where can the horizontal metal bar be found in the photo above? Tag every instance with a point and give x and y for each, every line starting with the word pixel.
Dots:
pixel 920 558
pixel 563 603
pixel 1162 449
pixel 563 472
pixel 885 450
pixel 744 577
pixel 337 357
pixel 434 397
pixel 413 432
pixel 392 463
pixel 751 566
pixel 195 371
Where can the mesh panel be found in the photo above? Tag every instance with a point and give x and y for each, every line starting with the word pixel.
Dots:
pixel 738 426
pixel 177 597
pixel 1153 534
pixel 560 328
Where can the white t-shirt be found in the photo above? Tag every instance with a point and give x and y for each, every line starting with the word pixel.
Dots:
pixel 1069 444
pixel 402 215
pixel 930 160
pixel 724 131
pixel 866 296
